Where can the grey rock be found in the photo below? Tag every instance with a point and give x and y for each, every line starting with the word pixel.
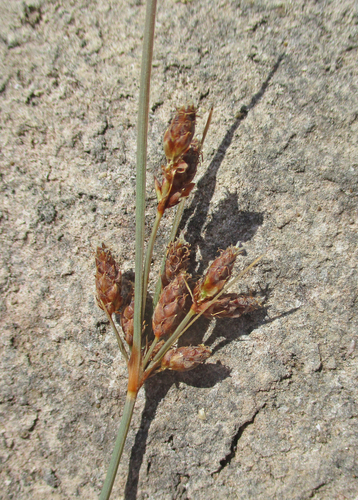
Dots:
pixel 279 175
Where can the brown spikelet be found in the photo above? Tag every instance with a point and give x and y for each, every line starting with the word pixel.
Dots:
pixel 108 281
pixel 127 321
pixel 180 132
pixel 171 307
pixel 185 358
pixel 232 305
pixel 184 173
pixel 217 275
pixel 177 260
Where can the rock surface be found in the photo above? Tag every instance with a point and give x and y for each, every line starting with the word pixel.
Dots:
pixel 273 413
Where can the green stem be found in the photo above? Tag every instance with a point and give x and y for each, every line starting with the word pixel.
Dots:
pixel 149 353
pixel 135 360
pixel 143 114
pixel 148 257
pixel 118 447
pixel 119 340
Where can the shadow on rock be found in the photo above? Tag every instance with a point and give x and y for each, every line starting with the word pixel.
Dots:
pixel 227 226
pixel 195 216
pixel 155 390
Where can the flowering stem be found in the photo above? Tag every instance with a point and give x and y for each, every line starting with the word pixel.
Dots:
pixel 118 447
pixel 143 114
pixel 134 364
pixel 148 257
pixel 119 340
pixel 149 353
pixel 173 234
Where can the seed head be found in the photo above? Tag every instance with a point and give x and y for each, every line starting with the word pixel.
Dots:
pixel 177 260
pixel 108 281
pixel 232 305
pixel 170 308
pixel 180 132
pixel 184 173
pixel 185 358
pixel 216 277
pixel 127 321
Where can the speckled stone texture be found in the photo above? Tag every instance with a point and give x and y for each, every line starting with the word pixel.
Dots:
pixel 279 174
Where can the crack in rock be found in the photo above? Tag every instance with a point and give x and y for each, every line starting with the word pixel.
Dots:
pixel 227 459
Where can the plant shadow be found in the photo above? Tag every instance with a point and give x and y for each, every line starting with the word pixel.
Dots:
pixel 156 389
pixel 228 226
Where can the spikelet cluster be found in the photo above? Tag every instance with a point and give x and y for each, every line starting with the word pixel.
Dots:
pixel 216 276
pixel 183 155
pixel 230 305
pixel 174 299
pixel 178 294
pixel 180 132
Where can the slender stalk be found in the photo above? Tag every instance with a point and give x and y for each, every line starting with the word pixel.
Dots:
pixel 119 340
pixel 148 257
pixel 118 447
pixel 240 275
pixel 143 114
pixel 149 353
pixel 208 121
pixel 176 222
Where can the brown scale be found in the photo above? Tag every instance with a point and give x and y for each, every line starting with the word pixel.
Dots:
pixel 216 277
pixel 177 260
pixel 127 321
pixel 184 173
pixel 231 305
pixel 185 358
pixel 108 281
pixel 170 309
pixel 180 132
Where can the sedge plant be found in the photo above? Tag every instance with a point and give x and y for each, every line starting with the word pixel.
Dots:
pixel 178 299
